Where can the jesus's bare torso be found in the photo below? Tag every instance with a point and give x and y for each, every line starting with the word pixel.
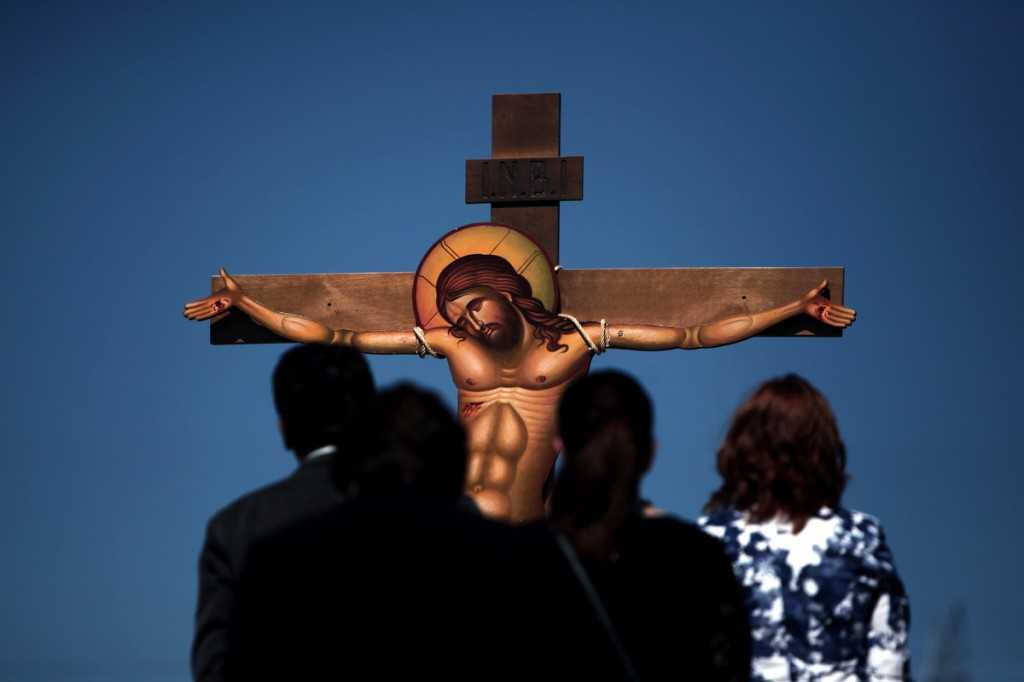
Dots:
pixel 508 404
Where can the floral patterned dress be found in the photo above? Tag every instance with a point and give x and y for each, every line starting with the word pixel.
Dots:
pixel 825 604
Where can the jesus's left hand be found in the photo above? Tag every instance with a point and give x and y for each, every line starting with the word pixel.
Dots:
pixel 820 308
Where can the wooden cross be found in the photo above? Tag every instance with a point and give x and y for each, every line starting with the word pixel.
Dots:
pixel 524 180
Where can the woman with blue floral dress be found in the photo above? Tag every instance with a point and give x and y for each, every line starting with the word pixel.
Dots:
pixel 824 599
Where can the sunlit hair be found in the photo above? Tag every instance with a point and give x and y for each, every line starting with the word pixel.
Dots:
pixel 782 454
pixel 478 270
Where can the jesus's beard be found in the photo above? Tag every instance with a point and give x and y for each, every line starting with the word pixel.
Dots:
pixel 500 336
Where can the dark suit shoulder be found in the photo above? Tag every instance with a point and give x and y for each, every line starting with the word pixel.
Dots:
pixel 313 478
pixel 243 503
pixel 669 570
pixel 673 533
pixel 677 552
pixel 307 492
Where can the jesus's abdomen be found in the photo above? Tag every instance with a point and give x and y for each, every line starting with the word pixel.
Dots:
pixel 499 434
pixel 509 436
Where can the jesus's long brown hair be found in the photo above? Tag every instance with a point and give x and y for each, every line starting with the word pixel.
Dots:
pixel 477 270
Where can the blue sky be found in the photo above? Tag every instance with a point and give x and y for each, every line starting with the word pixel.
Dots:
pixel 145 145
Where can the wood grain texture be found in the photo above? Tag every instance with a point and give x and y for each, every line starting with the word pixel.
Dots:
pixel 682 297
pixel 362 301
pixel 528 126
pixel 664 296
pixel 558 178
pixel 538 221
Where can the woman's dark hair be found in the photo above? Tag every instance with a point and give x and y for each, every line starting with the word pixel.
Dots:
pixel 408 442
pixel 476 270
pixel 782 454
pixel 605 422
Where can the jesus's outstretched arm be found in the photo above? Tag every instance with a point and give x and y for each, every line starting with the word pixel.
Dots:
pixel 303 330
pixel 722 332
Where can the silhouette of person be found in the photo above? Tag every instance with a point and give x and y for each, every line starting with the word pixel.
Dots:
pixel 319 392
pixel 667 588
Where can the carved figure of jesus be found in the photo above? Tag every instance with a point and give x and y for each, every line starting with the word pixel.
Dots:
pixel 511 358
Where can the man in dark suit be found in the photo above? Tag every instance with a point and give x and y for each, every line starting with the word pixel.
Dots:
pixel 319 393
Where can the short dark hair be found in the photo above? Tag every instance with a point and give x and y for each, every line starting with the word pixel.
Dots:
pixel 605 421
pixel 782 454
pixel 319 392
pixel 408 442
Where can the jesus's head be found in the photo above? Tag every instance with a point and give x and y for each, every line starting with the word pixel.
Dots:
pixel 476 295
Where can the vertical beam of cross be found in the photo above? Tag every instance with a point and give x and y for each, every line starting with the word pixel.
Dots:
pixel 528 126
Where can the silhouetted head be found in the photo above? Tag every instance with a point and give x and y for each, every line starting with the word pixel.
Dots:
pixel 408 442
pixel 319 392
pixel 605 423
pixel 782 454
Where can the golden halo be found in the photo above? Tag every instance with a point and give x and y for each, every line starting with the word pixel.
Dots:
pixel 522 253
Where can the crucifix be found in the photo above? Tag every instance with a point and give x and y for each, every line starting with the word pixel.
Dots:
pixel 514 327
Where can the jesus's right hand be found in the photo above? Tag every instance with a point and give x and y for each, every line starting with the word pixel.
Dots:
pixel 216 303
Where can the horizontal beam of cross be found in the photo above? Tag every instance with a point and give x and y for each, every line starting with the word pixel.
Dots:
pixel 676 297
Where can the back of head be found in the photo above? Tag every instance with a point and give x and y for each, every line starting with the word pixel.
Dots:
pixel 602 397
pixel 605 423
pixel 408 442
pixel 319 392
pixel 782 454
